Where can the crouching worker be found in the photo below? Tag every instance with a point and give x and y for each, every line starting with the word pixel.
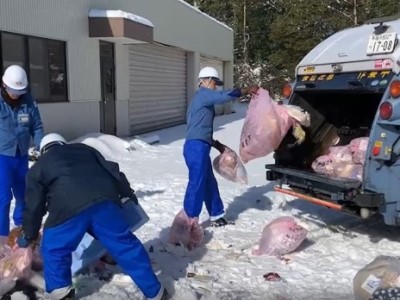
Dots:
pixel 81 191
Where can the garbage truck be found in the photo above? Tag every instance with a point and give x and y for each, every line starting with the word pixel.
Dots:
pixel 350 86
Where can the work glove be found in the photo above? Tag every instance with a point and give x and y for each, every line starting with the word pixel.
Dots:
pixel 23 242
pixel 33 154
pixel 219 146
pixel 253 89
pixel 16 238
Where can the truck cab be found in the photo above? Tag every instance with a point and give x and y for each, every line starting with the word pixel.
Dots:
pixel 350 86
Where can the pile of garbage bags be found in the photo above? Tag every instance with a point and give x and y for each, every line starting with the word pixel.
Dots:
pixel 267 123
pixel 281 236
pixel 343 161
pixel 380 279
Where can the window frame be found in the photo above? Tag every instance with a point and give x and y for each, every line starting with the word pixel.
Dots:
pixel 50 99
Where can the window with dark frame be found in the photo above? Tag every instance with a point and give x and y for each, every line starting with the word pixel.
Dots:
pixel 44 61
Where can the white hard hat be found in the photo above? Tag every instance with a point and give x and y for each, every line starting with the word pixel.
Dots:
pixel 210 72
pixel 15 79
pixel 51 139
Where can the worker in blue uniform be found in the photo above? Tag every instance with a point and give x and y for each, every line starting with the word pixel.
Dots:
pixel 19 121
pixel 202 185
pixel 82 192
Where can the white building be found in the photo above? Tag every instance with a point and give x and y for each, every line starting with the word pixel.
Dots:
pixel 120 67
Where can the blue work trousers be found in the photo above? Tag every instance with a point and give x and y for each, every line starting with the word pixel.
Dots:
pixel 13 170
pixel 107 222
pixel 202 186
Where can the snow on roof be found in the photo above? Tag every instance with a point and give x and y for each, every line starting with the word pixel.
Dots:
pixel 100 13
pixel 204 14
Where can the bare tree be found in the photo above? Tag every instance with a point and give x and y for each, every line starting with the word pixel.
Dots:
pixel 353 14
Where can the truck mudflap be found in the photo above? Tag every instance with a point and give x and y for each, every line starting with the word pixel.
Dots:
pixel 340 194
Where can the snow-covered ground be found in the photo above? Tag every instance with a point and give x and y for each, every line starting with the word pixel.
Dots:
pixel 323 267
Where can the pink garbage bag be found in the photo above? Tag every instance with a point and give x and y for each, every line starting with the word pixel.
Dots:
pixel 340 154
pixel 324 165
pixel 15 263
pixel 358 148
pixel 264 128
pixel 349 170
pixel 281 236
pixel 229 166
pixel 37 260
pixel 5 250
pixel 186 231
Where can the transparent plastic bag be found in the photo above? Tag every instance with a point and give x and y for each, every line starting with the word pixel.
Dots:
pixel 16 264
pixel 381 273
pixel 340 154
pixel 5 249
pixel 229 166
pixel 358 148
pixel 186 231
pixel 37 261
pixel 264 128
pixel 349 170
pixel 281 236
pixel 297 113
pixel 324 165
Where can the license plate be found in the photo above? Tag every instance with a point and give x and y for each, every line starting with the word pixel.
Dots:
pixel 381 43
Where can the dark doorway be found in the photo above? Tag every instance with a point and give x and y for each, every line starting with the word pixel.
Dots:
pixel 107 75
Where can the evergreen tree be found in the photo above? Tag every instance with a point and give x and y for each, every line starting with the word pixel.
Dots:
pixel 272 36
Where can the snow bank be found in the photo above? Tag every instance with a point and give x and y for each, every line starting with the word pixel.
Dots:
pixel 110 146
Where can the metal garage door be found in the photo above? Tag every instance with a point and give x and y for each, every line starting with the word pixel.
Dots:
pixel 210 62
pixel 158 96
pixel 219 66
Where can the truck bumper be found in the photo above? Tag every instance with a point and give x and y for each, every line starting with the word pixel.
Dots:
pixel 336 193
